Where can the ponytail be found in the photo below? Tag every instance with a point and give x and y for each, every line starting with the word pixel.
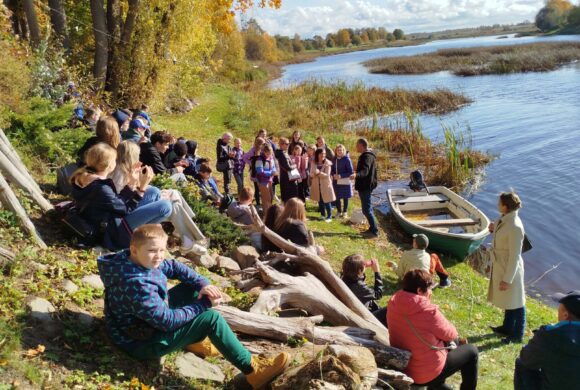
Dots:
pixel 98 158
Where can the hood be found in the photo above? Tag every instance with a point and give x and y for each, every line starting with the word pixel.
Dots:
pixel 117 267
pixel 130 133
pixel 221 142
pixel 82 191
pixel 409 304
pixel 369 151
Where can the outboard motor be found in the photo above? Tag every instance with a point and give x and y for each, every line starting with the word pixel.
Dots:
pixel 417 183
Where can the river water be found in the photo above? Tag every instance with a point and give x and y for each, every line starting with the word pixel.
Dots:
pixel 530 121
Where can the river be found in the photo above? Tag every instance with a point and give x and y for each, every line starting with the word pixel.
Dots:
pixel 531 121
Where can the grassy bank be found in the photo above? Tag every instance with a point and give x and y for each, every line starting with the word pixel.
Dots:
pixel 536 57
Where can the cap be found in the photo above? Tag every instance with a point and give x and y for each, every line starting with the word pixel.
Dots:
pixel 570 300
pixel 422 240
pixel 138 123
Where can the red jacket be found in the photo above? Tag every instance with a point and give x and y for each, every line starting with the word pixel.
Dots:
pixel 426 363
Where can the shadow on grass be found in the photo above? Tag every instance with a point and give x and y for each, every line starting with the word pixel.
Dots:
pixel 486 342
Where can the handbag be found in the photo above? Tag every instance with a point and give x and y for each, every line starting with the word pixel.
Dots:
pixel 343 181
pixel 222 166
pixel 294 174
pixel 526 244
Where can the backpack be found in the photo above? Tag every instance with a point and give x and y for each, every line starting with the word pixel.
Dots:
pixel 253 161
pixel 70 216
pixel 63 175
pixel 417 183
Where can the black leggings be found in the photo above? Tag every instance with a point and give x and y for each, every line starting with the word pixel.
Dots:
pixel 464 358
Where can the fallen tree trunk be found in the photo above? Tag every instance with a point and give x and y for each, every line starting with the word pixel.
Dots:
pixel 322 270
pixel 281 329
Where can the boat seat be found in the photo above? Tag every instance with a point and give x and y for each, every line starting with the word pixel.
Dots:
pixel 446 222
pixel 419 199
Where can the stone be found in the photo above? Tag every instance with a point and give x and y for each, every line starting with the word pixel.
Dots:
pixel 307 376
pixel 41 311
pixel 93 281
pixel 360 359
pixel 191 366
pixel 205 260
pixel 226 298
pixel 395 379
pixel 255 291
pixel 80 315
pixel 220 281
pixel 68 286
pixel 227 263
pixel 100 251
pixel 99 303
pixel 37 266
pixel 246 256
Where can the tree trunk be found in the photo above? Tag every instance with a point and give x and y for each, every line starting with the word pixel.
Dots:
pixel 10 201
pixel 101 42
pixel 281 329
pixel 33 26
pixel 9 151
pixel 6 257
pixel 58 21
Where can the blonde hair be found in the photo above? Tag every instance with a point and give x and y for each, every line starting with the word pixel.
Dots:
pixel 147 232
pixel 98 159
pixel 127 156
pixel 293 210
pixel 510 200
pixel 107 131
pixel 339 146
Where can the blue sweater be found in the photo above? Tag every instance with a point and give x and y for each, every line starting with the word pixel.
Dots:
pixel 136 298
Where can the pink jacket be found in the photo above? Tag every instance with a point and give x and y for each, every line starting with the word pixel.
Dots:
pixel 301 163
pixel 426 363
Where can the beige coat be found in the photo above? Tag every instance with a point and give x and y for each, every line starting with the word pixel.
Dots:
pixel 507 263
pixel 321 183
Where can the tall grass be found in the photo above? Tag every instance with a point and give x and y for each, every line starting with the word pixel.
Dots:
pixel 535 57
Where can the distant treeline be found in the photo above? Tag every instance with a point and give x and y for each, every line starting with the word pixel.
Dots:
pixel 261 46
pixel 495 29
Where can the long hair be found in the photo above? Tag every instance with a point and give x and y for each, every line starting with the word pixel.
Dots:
pixel 317 154
pixel 127 157
pixel 273 215
pixel 294 210
pixel 107 131
pixel 98 159
pixel 352 266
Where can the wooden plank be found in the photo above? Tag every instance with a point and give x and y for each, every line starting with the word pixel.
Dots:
pixel 446 222
pixel 420 199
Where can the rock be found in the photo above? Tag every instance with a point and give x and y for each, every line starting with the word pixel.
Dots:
pixel 396 379
pixel 255 291
pixel 206 260
pixel 360 359
pixel 220 281
pixel 246 256
pixel 308 376
pixel 93 281
pixel 99 303
pixel 68 286
pixel 81 316
pixel 190 366
pixel 41 311
pixel 227 263
pixel 37 266
pixel 99 251
pixel 226 298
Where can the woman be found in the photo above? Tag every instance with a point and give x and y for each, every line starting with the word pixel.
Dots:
pixel 270 218
pixel 107 131
pixel 249 159
pixel 291 225
pixel 417 325
pixel 288 172
pixel 127 165
pixel 341 172
pixel 301 162
pixel 296 139
pixel 116 215
pixel 321 189
pixel 265 171
pixel 506 286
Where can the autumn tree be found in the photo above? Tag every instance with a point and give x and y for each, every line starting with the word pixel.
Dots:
pixel 364 37
pixel 343 37
pixel 297 45
pixel 553 15
pixel 399 34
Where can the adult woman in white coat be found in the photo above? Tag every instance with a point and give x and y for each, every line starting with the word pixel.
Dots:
pixel 506 286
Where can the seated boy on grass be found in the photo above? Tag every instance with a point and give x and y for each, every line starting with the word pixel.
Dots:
pixel 418 258
pixel 147 321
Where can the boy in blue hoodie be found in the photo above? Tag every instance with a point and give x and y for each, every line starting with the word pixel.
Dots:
pixel 147 321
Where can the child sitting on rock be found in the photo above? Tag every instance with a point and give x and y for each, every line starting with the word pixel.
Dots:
pixel 147 321
pixel 418 258
pixel 353 275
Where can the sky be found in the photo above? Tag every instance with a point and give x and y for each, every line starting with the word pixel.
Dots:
pixel 311 17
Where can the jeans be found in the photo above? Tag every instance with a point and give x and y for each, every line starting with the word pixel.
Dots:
pixel 325 209
pixel 239 178
pixel 464 358
pixel 227 180
pixel 208 324
pixel 381 315
pixel 526 379
pixel 367 209
pixel 149 210
pixel 339 205
pixel 514 323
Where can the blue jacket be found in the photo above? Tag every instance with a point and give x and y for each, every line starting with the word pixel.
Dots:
pixel 343 167
pixel 136 298
pixel 103 208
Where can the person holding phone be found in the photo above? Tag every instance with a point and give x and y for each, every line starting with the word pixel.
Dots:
pixel 353 275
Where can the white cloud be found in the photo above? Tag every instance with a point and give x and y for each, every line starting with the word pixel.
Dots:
pixel 310 17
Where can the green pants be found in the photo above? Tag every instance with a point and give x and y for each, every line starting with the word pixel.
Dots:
pixel 209 324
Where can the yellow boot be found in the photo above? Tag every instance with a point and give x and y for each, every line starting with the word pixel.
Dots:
pixel 203 349
pixel 267 369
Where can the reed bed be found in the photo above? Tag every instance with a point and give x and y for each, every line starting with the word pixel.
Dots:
pixel 535 57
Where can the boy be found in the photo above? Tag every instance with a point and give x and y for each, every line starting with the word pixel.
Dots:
pixel 240 212
pixel 208 187
pixel 147 321
pixel 418 258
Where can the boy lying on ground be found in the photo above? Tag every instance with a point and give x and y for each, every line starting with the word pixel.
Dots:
pixel 147 321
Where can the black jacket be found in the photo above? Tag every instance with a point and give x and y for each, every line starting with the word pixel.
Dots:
pixel 151 157
pixel 295 231
pixel 555 351
pixel 89 143
pixel 288 189
pixel 366 172
pixel 364 293
pixel 102 207
pixel 222 154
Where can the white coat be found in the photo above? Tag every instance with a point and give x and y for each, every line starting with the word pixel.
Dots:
pixel 507 263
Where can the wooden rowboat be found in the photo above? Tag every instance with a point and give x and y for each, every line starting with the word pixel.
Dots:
pixel 452 224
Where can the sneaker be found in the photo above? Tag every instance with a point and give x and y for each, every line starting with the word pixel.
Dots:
pixel 203 349
pixel 267 369
pixel 327 220
pixel 194 248
pixel 443 283
pixel 344 215
pixel 499 330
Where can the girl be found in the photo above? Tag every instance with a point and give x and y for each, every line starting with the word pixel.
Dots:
pixel 265 171
pixel 249 159
pixel 341 172
pixel 291 225
pixel 321 184
pixel 107 131
pixel 296 139
pixel 238 164
pixel 301 162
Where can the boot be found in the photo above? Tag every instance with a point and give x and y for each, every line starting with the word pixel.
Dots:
pixel 203 349
pixel 267 369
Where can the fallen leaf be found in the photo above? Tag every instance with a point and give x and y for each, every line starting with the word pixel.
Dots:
pixel 3 362
pixel 135 382
pixel 34 352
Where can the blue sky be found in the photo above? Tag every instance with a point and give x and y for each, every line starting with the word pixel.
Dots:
pixel 310 17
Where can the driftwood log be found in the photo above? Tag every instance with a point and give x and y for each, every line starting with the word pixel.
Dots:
pixel 281 329
pixel 6 256
pixel 313 264
pixel 7 148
